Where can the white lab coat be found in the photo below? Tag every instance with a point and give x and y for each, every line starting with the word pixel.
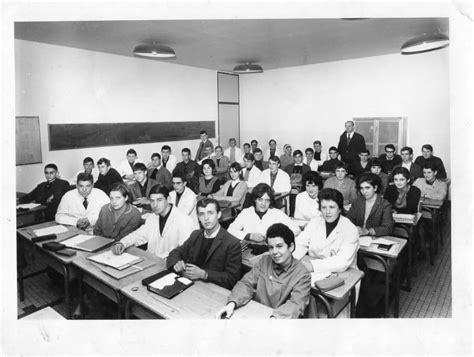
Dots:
pixel 171 164
pixel 254 176
pixel 187 203
pixel 124 168
pixel 238 154
pixel 282 182
pixel 306 208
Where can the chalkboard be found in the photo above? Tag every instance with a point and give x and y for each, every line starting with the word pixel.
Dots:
pixel 28 141
pixel 78 136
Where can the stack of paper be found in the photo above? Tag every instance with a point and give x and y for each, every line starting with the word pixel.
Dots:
pixel 119 262
pixel 87 243
pixel 50 230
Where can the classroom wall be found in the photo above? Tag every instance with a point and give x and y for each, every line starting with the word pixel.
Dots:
pixel 312 102
pixel 68 85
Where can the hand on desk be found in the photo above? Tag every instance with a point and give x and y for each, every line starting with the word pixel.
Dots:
pixel 180 266
pixel 82 223
pixel 193 272
pixel 118 248
pixel 363 231
pixel 226 312
pixel 141 201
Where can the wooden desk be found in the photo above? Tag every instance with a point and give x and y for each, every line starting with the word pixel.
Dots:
pixel 200 301
pixel 48 313
pixel 227 206
pixel 30 217
pixel 387 262
pixel 59 263
pixel 434 208
pixel 92 275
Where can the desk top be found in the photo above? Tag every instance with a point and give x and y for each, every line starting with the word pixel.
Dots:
pixel 47 313
pixel 200 301
pixel 351 277
pixel 430 203
pixel 409 219
pixel 392 253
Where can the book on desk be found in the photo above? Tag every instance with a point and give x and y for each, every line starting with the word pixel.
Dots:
pixel 167 284
pixel 86 242
pixel 120 266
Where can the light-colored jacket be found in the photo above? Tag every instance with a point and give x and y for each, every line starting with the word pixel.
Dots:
pixel 238 154
pixel 282 182
pixel 237 196
pixel 187 203
pixel 437 191
pixel 306 208
pixel 254 176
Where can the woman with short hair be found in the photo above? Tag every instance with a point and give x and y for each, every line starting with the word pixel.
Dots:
pixel 208 183
pixel 307 203
pixel 403 197
pixel 234 189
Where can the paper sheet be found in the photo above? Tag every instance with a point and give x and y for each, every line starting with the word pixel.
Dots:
pixel 28 205
pixel 115 261
pixel 167 280
pixel 365 241
pixel 50 230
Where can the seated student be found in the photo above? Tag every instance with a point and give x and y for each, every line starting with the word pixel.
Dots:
pixel 235 189
pixel 81 207
pixel 182 197
pixel 140 189
pixel 210 254
pixel 125 168
pixel 234 153
pixel 275 177
pixel 118 218
pixel 319 156
pixel 164 230
pixel 251 172
pixel 254 145
pixel 390 159
pixel 188 169
pixel 259 162
pixel 48 193
pixel 108 176
pixel 277 280
pixel 208 155
pixel 343 184
pixel 287 157
pixel 407 162
pixel 222 165
pixel 252 223
pixel 89 167
pixel 157 172
pixel 329 166
pixel 309 159
pixel 203 144
pixel 403 197
pixel 168 160
pixel 428 157
pixel 247 150
pixel 296 172
pixel 376 168
pixel 272 150
pixel 307 203
pixel 370 212
pixel 362 165
pixel 208 183
pixel 431 186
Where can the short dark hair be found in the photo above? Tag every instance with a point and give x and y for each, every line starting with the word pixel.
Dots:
pixel 186 150
pixel 330 194
pixel 155 154
pixel 232 139
pixel 401 171
pixel 371 179
pixel 272 140
pixel 254 141
pixel 131 151
pixel 258 150
pixel 159 189
pixel 427 147
pixel 317 142
pixel 51 166
pixel 235 166
pixel 208 201
pixel 376 162
pixel 341 165
pixel 178 174
pixel 122 188
pixel 333 148
pixel 260 190
pixel 202 132
pixel 166 147
pixel 407 148
pixel 103 160
pixel 208 162
pixel 275 158
pixel 282 231
pixel 249 156
pixel 431 166
pixel 312 177
pixel 390 146
pixel 84 176
pixel 87 159
pixel 218 147
pixel 139 166
pixel 247 144
pixel 309 150
pixel 365 151
pixel 297 152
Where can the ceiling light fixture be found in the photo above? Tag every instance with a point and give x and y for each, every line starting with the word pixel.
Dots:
pixel 425 43
pixel 248 68
pixel 154 51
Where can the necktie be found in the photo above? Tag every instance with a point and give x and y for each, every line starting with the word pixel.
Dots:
pixel 246 174
pixel 153 175
pixel 85 203
pixel 164 162
pixel 348 138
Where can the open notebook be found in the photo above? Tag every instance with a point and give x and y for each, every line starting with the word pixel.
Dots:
pixel 167 284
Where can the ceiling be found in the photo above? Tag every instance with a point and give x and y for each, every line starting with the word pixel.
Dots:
pixel 221 44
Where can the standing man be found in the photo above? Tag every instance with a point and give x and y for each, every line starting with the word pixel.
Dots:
pixel 210 254
pixel 188 169
pixel 205 142
pixel 48 193
pixel 407 162
pixel 319 155
pixel 350 144
pixel 159 173
pixel 390 159
pixel 428 157
pixel 108 176
pixel 168 160
pixel 233 153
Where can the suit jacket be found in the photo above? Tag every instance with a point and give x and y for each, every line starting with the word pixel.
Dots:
pixel 191 171
pixel 136 193
pixel 389 165
pixel 163 176
pixel 200 153
pixel 380 217
pixel 350 153
pixel 105 182
pixel 223 262
pixel 294 182
pixel 413 198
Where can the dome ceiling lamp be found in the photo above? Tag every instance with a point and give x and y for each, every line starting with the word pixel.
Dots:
pixel 154 51
pixel 248 68
pixel 425 43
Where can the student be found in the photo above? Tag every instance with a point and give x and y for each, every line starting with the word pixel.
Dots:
pixel 48 193
pixel 252 223
pixel 108 176
pixel 362 165
pixel 251 172
pixel 254 145
pixel 428 157
pixel 140 189
pixel 287 157
pixel 272 150
pixel 208 183
pixel 277 280
pixel 158 172
pixel 318 155
pixel 431 186
pixel 233 152
pixel 275 177
pixel 296 172
pixel 350 144
pixel 164 230
pixel 126 167
pixel 210 254
pixel 407 162
pixel 403 197
pixel 259 162
pixel 307 203
pixel 235 188
pixel 222 165
pixel 189 169
pixel 343 184
pixel 81 207
pixel 376 168
pixel 390 159
pixel 204 143
pixel 329 166
pixel 247 150
pixel 182 197
pixel 370 212
pixel 118 218
pixel 168 160
pixel 207 155
pixel 88 164
pixel 309 159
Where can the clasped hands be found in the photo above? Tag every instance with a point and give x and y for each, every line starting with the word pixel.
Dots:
pixel 189 270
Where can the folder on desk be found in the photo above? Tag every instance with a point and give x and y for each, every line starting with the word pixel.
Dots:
pixel 135 268
pixel 118 262
pixel 167 284
pixel 87 243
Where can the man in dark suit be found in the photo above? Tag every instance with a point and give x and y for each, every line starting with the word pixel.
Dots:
pixel 48 193
pixel 350 144
pixel 189 169
pixel 158 172
pixel 209 254
pixel 107 176
pixel 140 189
pixel 296 171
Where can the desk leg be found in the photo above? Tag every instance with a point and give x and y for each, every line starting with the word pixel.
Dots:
pixel 67 291
pixel 20 265
pixel 326 304
pixel 397 291
pixel 119 304
pixel 387 291
pixel 414 232
pixel 81 296
pixel 127 308
pixel 433 240
pixel 410 254
pixel 352 301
